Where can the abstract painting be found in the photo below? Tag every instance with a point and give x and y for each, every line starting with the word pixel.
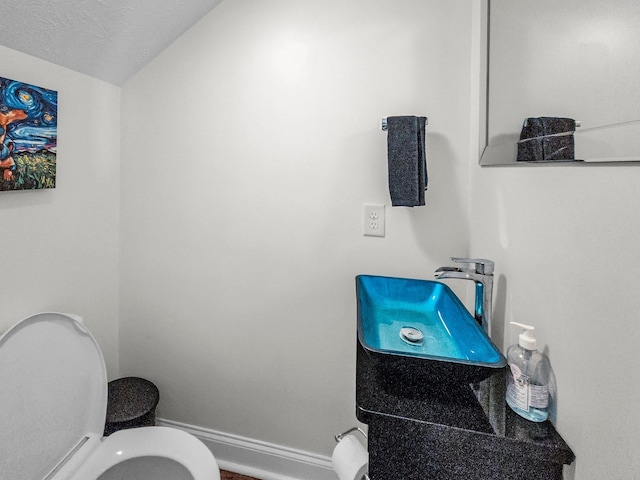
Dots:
pixel 28 136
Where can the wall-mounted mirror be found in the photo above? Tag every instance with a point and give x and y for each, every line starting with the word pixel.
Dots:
pixel 577 60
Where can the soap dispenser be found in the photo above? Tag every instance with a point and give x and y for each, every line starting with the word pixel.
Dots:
pixel 528 381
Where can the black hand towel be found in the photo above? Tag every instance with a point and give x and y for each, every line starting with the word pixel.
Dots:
pixel 546 138
pixel 406 152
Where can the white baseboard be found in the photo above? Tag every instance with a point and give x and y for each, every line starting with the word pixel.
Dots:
pixel 258 459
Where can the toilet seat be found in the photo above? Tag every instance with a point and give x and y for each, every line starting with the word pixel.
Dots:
pixel 165 442
pixel 54 403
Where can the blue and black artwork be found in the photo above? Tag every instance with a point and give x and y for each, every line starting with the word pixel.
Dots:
pixel 28 136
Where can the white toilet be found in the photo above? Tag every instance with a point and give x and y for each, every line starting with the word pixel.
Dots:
pixel 53 403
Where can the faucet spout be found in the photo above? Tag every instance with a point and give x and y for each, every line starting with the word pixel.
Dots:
pixel 482 275
pixel 454 272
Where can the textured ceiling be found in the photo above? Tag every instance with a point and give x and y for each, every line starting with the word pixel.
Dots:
pixel 106 39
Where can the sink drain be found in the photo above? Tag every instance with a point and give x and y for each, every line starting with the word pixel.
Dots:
pixel 411 335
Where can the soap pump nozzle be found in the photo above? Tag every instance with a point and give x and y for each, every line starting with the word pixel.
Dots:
pixel 526 339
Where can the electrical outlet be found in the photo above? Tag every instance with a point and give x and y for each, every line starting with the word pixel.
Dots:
pixel 373 220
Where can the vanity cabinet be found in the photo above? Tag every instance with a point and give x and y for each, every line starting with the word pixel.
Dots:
pixel 422 431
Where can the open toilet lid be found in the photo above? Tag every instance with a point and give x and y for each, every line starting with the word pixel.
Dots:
pixel 53 391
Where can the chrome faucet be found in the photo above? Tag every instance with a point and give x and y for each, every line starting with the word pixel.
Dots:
pixel 482 275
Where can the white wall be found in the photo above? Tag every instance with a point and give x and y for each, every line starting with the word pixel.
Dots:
pixel 249 147
pixel 565 244
pixel 60 246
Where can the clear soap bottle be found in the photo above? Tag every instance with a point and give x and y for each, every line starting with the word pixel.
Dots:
pixel 528 381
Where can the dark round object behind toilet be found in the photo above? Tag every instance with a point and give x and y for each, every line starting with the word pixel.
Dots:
pixel 131 403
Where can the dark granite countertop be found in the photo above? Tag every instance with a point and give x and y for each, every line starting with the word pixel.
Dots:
pixel 478 409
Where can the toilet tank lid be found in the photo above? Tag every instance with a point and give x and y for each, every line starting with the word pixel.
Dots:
pixel 54 392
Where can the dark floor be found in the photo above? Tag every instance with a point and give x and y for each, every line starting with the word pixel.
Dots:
pixel 224 475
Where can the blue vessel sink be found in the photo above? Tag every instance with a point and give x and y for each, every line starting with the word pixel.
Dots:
pixel 419 331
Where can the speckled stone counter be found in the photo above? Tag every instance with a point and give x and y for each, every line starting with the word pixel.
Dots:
pixel 421 432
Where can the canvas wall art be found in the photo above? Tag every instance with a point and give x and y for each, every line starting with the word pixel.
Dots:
pixel 28 136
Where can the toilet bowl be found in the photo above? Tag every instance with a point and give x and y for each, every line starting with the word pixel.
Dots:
pixel 54 400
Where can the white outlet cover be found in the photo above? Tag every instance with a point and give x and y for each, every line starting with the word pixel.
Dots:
pixel 373 220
